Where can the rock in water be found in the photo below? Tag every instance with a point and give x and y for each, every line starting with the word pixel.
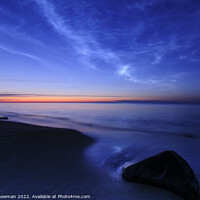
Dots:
pixel 3 118
pixel 165 170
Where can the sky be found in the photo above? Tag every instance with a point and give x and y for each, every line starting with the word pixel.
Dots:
pixel 99 50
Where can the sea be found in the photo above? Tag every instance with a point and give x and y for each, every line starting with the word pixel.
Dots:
pixel 125 133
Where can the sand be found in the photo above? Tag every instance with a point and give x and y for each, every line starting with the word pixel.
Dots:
pixel 36 159
pixel 51 161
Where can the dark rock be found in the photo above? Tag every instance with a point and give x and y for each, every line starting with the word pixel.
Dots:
pixel 3 118
pixel 166 170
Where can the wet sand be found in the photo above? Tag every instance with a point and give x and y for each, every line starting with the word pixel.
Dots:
pixel 35 160
pixel 42 160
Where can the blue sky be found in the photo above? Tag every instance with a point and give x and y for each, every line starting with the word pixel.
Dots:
pixel 119 48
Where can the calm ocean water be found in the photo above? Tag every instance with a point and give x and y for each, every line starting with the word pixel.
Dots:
pixel 125 132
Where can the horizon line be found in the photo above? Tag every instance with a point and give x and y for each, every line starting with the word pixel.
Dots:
pixel 114 101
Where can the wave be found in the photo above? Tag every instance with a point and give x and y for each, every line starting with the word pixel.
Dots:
pixel 32 117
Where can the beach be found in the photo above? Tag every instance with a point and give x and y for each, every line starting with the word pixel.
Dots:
pixel 38 160
pixel 100 99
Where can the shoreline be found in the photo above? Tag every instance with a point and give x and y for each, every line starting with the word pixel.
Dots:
pixel 36 160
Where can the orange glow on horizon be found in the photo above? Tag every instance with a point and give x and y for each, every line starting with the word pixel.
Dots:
pixel 51 99
pixel 75 99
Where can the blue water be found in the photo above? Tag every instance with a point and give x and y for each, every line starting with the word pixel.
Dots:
pixel 125 132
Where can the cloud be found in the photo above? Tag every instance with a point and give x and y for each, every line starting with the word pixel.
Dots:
pixel 143 5
pixel 15 52
pixel 167 82
pixel 145 44
pixel 59 24
pixel 124 71
pixel 16 33
pixel 52 95
pixel 159 54
pixel 84 44
pixel 87 47
pixel 6 99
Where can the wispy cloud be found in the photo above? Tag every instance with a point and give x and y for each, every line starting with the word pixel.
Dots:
pixel 16 33
pixel 59 24
pixel 15 52
pixel 52 95
pixel 87 47
pixel 84 44
pixel 143 5
pixel 145 50
pixel 124 70
pixel 127 72
pixel 169 81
